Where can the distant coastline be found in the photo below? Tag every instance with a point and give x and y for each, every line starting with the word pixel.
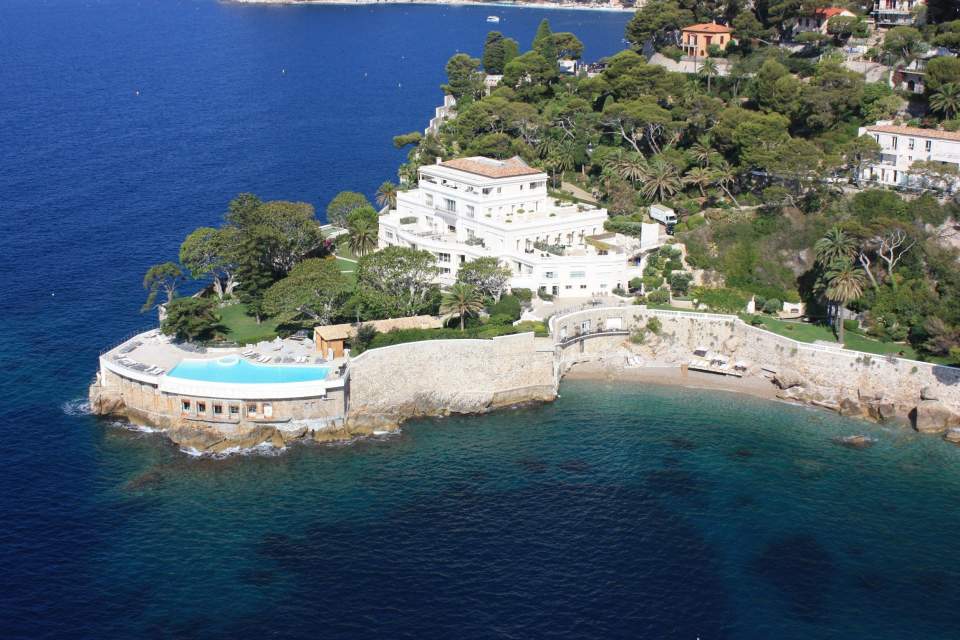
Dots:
pixel 508 5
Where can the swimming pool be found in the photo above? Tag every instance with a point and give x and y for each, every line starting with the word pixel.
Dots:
pixel 232 369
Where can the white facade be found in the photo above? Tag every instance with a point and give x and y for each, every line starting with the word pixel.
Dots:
pixel 894 13
pixel 478 207
pixel 818 21
pixel 901 146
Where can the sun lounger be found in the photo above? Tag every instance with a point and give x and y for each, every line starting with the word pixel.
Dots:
pixel 247 353
pixel 263 359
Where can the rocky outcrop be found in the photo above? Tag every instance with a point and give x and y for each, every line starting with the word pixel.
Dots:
pixel 952 435
pixel 855 442
pixel 932 416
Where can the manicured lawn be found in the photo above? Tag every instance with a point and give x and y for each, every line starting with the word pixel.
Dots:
pixel 243 329
pixel 807 332
pixel 347 268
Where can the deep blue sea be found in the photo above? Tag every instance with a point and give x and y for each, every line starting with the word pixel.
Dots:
pixel 616 512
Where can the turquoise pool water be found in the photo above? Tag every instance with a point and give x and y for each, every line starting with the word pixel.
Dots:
pixel 233 369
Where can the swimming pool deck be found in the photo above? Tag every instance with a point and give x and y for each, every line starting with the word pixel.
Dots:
pixel 153 349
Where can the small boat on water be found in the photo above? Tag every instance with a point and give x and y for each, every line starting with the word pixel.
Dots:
pixel 493 18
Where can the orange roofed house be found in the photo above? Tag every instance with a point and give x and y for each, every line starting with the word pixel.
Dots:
pixel 697 38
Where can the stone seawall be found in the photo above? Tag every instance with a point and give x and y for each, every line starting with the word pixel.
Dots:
pixel 438 377
pixel 850 382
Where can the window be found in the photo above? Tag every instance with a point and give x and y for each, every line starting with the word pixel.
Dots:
pixel 443 257
pixel 218 409
pixel 251 409
pixel 449 205
pixel 487 190
pixel 583 286
pixel 234 411
pixel 568 286
pixel 389 235
pixel 549 275
pixel 429 199
pixel 444 270
pixel 578 274
pixel 463 258
pixel 470 211
pixel 185 405
pixel 267 409
pixel 499 190
pixel 201 407
pixel 928 145
pixel 911 143
pixel 893 141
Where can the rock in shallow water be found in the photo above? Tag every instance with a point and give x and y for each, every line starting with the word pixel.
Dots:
pixel 855 442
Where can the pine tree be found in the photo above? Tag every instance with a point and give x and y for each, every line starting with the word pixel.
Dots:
pixel 543 42
pixel 494 54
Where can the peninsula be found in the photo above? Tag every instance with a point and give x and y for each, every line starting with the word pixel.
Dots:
pixel 626 218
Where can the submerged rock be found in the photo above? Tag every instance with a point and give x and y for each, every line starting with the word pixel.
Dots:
pixel 952 435
pixel 855 442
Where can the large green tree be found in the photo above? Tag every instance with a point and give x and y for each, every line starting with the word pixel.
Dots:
pixel 342 204
pixel 209 252
pixel 659 21
pixel 191 319
pixel 464 78
pixel 315 289
pixel 486 274
pixel 396 281
pixel 544 44
pixel 493 53
pixel 165 277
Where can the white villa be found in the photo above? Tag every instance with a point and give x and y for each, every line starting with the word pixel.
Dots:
pixel 902 146
pixel 480 207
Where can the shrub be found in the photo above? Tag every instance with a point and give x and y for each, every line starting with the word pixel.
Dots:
pixel 696 221
pixel 638 335
pixel 361 342
pixel 756 320
pixel 654 325
pixel 652 282
pixel 680 282
pixel 509 306
pixel 659 296
pixel 772 306
pixel 722 299
pixel 619 291
pixel 500 318
pixel 851 325
pixel 523 295
pixel 636 283
pixel 543 295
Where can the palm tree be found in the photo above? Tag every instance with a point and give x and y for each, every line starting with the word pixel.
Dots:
pixel 559 158
pixel 461 300
pixel 701 177
pixel 387 195
pixel 844 285
pixel 631 166
pixel 946 100
pixel 835 246
pixel 708 69
pixel 702 150
pixel 363 235
pixel 661 179
pixel 724 176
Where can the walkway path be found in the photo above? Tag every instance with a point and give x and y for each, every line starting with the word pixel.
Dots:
pixel 577 192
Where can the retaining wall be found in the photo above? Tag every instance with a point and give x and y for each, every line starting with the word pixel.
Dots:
pixel 436 377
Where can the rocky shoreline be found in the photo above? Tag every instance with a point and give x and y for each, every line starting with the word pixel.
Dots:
pixel 493 5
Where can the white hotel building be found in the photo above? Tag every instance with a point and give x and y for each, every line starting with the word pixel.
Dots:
pixel 901 146
pixel 479 207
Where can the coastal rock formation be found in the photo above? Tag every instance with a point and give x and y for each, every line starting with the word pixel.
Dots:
pixel 952 435
pixel 932 416
pixel 855 442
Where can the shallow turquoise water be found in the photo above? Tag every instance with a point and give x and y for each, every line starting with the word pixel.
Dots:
pixel 237 370
pixel 613 512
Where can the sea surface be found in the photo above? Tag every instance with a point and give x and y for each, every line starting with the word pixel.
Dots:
pixel 616 512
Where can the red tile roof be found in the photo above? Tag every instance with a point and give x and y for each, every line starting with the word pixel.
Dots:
pixel 490 168
pixel 937 134
pixel 708 27
pixel 829 12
